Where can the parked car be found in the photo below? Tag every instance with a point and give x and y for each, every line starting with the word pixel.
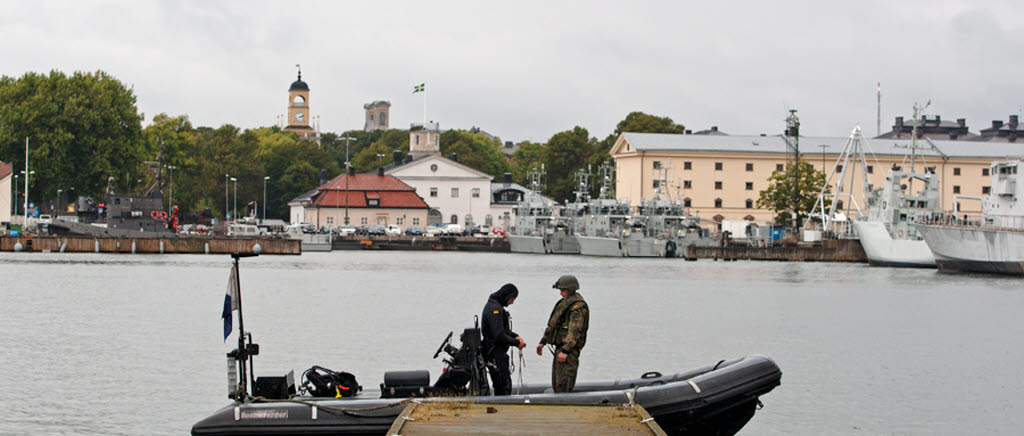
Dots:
pixel 453 229
pixel 498 232
pixel 436 229
pixel 346 230
pixel 414 231
pixel 393 230
pixel 376 231
pixel 307 227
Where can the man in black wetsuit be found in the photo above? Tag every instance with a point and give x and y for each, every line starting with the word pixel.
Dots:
pixel 498 336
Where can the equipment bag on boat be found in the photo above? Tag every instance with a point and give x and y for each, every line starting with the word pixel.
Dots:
pixel 323 382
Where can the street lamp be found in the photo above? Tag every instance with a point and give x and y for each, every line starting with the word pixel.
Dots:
pixel 234 203
pixel 265 179
pixel 26 190
pixel 346 139
pixel 58 203
pixel 226 198
pixel 109 181
pixel 170 200
pixel 16 194
pixel 380 160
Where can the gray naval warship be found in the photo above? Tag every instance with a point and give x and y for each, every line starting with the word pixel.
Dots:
pixel 126 216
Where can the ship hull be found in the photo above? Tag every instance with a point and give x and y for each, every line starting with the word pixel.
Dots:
pixel 643 246
pixel 71 228
pixel 561 243
pixel 882 250
pixel 526 244
pixel 975 249
pixel 598 246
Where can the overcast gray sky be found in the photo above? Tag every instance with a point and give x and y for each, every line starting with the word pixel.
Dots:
pixel 525 70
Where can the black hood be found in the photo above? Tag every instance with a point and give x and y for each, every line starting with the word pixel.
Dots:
pixel 504 294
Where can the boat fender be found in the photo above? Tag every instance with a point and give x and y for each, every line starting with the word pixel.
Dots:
pixel 651 374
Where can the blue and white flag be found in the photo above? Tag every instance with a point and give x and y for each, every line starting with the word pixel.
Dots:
pixel 230 300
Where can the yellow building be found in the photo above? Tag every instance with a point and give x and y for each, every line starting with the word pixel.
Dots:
pixel 719 177
pixel 298 108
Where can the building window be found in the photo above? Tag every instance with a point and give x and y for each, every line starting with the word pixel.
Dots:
pixel 433 192
pixel 871 169
pixel 779 167
pixel 657 164
pixel 750 186
pixel 656 183
pixel 346 221
pixel 718 166
pixel 718 203
pixel 399 220
pixel 687 165
pixel 956 189
pixel 476 192
pixel 956 171
pixel 373 202
pixel 839 204
pixel 415 221
pixel 363 221
pixel 687 202
pixel 871 187
pixel 986 189
pixel 455 219
pixel 687 184
pixel 929 170
pixel 488 220
pixel 455 192
pixel 330 220
pixel 417 139
pixel 984 171
pixel 839 168
pixel 469 220
pixel 718 185
pixel 750 203
pixel 750 167
pixel 381 118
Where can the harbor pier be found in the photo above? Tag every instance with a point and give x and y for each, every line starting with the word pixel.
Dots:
pixel 197 245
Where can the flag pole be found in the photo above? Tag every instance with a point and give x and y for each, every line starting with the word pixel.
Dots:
pixel 242 355
pixel 424 107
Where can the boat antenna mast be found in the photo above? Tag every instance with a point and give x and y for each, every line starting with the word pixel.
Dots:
pixel 607 173
pixel 918 110
pixel 583 185
pixel 535 178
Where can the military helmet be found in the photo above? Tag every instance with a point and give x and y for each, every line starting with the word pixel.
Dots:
pixel 567 281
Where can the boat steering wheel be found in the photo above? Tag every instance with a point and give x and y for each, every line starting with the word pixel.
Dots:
pixel 447 340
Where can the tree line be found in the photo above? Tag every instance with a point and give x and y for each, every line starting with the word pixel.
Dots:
pixel 86 135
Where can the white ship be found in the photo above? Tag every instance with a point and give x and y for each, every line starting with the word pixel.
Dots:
pixel 993 244
pixel 887 235
pixel 533 215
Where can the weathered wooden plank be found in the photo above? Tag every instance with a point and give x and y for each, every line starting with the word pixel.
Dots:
pixel 458 418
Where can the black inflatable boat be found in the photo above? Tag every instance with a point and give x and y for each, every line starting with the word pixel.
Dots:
pixel 717 399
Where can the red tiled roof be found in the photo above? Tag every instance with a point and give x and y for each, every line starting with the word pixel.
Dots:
pixel 367 182
pixel 5 169
pixel 391 192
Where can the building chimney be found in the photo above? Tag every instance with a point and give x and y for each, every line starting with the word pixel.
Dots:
pixel 962 122
pixel 899 122
pixel 396 157
pixel 454 157
pixel 688 132
pixel 351 171
pixel 380 171
pixel 938 120
pixel 714 128
pixel 508 178
pixel 1013 122
pixel 323 177
pixel 408 158
pixel 997 124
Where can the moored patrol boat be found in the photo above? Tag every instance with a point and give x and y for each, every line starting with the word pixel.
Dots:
pixel 533 215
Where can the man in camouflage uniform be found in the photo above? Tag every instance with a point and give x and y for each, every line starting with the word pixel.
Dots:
pixel 566 333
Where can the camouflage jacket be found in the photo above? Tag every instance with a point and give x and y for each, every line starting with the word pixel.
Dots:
pixel 568 324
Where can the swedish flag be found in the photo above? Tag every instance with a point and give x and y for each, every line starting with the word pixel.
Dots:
pixel 419 88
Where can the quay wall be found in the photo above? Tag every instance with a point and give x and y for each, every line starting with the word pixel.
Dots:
pixel 445 243
pixel 83 244
pixel 832 250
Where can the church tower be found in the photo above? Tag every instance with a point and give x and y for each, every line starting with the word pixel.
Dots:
pixel 376 115
pixel 298 108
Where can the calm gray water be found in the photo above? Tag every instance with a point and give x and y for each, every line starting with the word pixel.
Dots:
pixel 122 344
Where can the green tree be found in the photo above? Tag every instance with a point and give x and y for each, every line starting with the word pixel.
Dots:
pixel 293 165
pixel 173 139
pixel 476 150
pixel 530 155
pixel 82 129
pixel 640 122
pixel 334 145
pixel 781 196
pixel 568 152
pixel 367 160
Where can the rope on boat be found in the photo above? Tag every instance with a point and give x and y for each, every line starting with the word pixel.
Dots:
pixel 345 410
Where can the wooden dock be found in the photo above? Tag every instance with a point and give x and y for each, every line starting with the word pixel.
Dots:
pixel 439 418
pixel 197 245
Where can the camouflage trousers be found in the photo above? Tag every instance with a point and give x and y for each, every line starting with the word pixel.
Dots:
pixel 563 374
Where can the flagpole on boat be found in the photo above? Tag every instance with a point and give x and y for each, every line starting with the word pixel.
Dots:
pixel 243 353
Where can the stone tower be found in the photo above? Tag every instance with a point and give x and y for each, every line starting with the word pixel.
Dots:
pixel 298 108
pixel 377 115
pixel 424 139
